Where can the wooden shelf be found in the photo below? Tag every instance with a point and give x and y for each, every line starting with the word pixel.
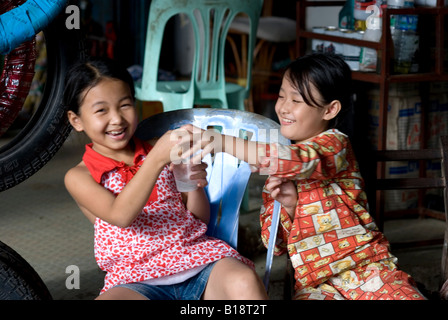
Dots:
pixel 356 42
pixel 416 77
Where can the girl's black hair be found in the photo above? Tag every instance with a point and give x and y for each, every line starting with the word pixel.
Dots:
pixel 87 74
pixel 330 75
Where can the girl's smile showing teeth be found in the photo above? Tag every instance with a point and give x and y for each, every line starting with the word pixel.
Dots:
pixel 116 134
pixel 287 121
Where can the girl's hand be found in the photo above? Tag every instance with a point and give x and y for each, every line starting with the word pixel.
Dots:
pixel 199 173
pixel 196 201
pixel 172 145
pixel 284 191
pixel 208 141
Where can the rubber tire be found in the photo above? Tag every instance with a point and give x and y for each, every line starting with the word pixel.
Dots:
pixel 18 280
pixel 48 128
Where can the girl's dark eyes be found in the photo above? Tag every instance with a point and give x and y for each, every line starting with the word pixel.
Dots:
pixel 293 100
pixel 102 110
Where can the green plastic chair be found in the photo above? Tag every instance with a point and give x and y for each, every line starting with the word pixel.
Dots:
pixel 210 21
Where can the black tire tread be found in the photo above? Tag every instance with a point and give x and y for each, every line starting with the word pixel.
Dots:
pixel 18 280
pixel 48 128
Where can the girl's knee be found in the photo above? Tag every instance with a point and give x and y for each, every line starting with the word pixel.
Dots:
pixel 245 284
pixel 235 280
pixel 246 278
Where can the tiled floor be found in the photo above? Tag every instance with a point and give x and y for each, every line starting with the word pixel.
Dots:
pixel 43 224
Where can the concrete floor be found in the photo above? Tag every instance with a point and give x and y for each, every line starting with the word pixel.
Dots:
pixel 42 223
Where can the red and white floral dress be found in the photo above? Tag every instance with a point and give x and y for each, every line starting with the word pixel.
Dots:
pixel 163 240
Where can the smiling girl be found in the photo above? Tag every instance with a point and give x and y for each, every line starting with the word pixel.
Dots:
pixel 333 242
pixel 150 242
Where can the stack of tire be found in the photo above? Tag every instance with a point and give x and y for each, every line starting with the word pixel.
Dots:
pixel 47 129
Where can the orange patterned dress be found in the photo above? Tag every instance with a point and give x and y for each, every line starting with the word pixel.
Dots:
pixel 333 242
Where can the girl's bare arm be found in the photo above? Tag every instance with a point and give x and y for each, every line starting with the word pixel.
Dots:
pixel 198 205
pixel 121 210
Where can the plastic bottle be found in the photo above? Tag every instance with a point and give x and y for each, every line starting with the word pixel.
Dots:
pixel 369 56
pixel 406 42
pixel 346 19
pixel 360 13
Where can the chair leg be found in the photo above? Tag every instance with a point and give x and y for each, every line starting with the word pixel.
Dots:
pixel 444 291
pixel 288 287
pixel 445 261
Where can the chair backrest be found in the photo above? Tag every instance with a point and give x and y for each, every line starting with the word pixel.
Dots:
pixel 424 181
pixel 227 176
pixel 210 20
